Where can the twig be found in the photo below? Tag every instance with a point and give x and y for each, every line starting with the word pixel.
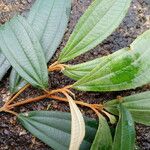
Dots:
pixel 30 100
pixel 16 95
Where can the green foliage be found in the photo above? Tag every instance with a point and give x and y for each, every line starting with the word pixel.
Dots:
pixel 24 51
pixel 29 43
pixel 125 131
pixel 49 30
pixel 4 65
pixel 125 71
pixel 54 128
pixel 97 23
pixel 78 71
pixel 16 82
pixel 137 104
pixel 49 20
pixel 103 138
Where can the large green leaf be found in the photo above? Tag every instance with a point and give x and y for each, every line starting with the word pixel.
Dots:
pixel 98 22
pixel 127 71
pixel 78 71
pixel 4 65
pixel 49 20
pixel 54 128
pixel 23 50
pixel 125 131
pixel 137 104
pixel 103 138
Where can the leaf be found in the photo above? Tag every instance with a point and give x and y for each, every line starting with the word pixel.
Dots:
pixel 16 82
pixel 77 126
pixel 49 30
pixel 53 128
pixel 4 65
pixel 127 71
pixel 49 19
pixel 137 104
pixel 125 131
pixel 98 22
pixel 78 71
pixel 103 138
pixel 21 47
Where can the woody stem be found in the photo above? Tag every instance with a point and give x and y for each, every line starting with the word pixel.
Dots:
pixel 39 98
pixel 53 67
pixel 16 95
pixel 27 101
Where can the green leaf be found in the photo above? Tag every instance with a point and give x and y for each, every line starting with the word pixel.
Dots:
pixel 21 47
pixel 78 71
pixel 16 82
pixel 54 128
pixel 125 131
pixel 48 19
pixel 103 138
pixel 4 65
pixel 137 104
pixel 127 71
pixel 97 23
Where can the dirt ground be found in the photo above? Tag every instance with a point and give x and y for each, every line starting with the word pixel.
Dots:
pixel 12 135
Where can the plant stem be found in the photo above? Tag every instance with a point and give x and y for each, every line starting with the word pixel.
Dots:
pixel 39 98
pixel 4 109
pixel 1 109
pixel 16 95
pixel 61 90
pixel 11 112
pixel 30 100
pixel 92 106
pixel 56 66
pixel 53 67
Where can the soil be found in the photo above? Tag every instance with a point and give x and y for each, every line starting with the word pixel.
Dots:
pixel 12 135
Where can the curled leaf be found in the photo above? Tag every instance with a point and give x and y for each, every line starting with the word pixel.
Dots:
pixel 77 126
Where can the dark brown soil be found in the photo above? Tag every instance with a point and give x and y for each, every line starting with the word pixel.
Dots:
pixel 12 135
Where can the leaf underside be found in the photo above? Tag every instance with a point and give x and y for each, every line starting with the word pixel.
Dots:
pixel 23 51
pixel 125 131
pixel 137 104
pixel 98 22
pixel 16 82
pixel 128 70
pixel 4 65
pixel 53 128
pixel 77 126
pixel 49 19
pixel 49 30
